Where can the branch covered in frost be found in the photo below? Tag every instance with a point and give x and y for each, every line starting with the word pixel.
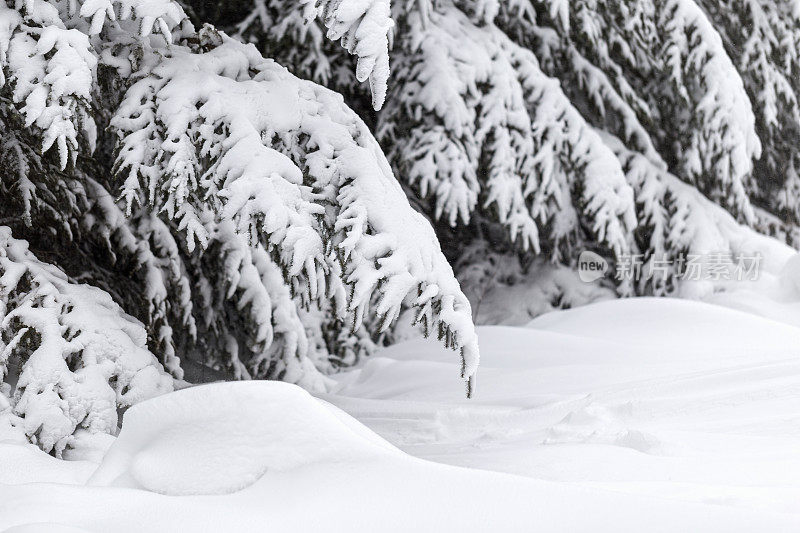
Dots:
pixel 657 76
pixel 763 39
pixel 49 58
pixel 675 220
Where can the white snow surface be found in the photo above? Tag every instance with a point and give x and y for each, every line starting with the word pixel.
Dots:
pixel 624 415
pixel 224 437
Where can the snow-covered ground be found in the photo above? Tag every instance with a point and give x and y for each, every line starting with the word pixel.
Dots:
pixel 625 415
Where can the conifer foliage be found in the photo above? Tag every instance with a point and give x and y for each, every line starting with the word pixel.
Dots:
pixel 539 128
pixel 194 201
pixel 160 163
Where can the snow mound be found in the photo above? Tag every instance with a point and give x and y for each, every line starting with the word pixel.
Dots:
pixel 789 279
pixel 25 463
pixel 671 324
pixel 223 437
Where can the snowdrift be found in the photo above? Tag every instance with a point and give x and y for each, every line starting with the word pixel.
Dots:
pixel 589 420
pixel 676 399
pixel 222 438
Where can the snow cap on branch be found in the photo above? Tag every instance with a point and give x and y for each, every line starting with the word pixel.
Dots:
pixel 363 27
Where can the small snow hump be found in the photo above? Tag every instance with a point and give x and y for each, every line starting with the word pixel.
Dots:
pixel 223 437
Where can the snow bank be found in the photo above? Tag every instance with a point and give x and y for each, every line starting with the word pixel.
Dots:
pixel 25 463
pixel 681 326
pixel 776 296
pixel 680 400
pixel 303 465
pixel 223 437
pixel 644 414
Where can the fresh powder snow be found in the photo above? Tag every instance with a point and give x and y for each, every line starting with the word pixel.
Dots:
pixel 689 423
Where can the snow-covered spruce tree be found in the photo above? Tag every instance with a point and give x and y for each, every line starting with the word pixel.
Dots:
pixel 247 218
pixel 477 129
pixel 762 38
pixel 473 127
pixel 523 126
pixel 658 77
pixel 660 67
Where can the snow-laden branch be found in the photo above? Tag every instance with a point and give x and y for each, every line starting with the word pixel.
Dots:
pixel 363 28
pixel 226 135
pixel 73 355
pixel 474 124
